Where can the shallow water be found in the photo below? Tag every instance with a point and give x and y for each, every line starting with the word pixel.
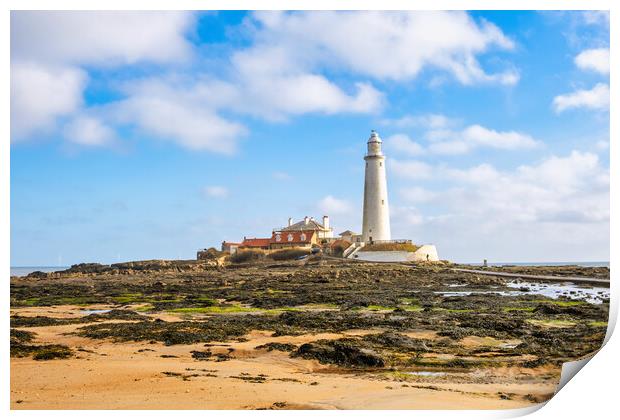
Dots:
pixel 590 294
pixel 572 291
pixel 426 373
pixel 545 264
pixel 24 271
pixel 94 311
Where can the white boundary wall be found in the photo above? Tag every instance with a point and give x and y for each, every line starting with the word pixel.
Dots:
pixel 399 256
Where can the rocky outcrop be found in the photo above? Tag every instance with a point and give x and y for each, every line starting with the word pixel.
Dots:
pixel 343 352
pixel 132 267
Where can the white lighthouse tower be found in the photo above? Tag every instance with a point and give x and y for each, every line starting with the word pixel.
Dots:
pixel 376 222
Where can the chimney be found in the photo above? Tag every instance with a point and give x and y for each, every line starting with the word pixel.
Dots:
pixel 290 221
pixel 306 220
pixel 326 222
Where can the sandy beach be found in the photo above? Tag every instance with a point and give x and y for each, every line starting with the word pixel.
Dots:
pixel 108 375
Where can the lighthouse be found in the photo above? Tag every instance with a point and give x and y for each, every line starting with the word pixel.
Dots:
pixel 376 221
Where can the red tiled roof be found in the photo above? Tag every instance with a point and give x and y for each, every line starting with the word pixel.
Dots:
pixel 255 242
pixel 292 237
pixel 231 243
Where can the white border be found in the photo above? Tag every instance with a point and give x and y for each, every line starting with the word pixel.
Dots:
pixel 592 395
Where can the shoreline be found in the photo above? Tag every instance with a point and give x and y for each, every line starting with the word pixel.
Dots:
pixel 20 271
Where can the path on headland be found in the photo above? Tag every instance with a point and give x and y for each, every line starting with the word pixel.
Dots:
pixel 601 282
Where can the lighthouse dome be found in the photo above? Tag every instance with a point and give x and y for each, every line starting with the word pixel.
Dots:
pixel 374 144
pixel 374 137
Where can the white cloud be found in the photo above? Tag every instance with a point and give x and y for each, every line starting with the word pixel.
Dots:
pixel 88 131
pixel 479 174
pixel 445 139
pixel 178 116
pixel 595 98
pixel 263 69
pixel 453 147
pixel 216 191
pixel 595 17
pixel 358 41
pixel 39 95
pixel 402 143
pixel 575 185
pixel 279 75
pixel 48 49
pixel 556 207
pixel 103 37
pixel 595 59
pixel 407 215
pixel 300 94
pixel 418 194
pixel 602 145
pixel 509 140
pixel 434 121
pixel 331 205
pixel 412 169
pixel 458 142
pixel 261 81
pixel 188 111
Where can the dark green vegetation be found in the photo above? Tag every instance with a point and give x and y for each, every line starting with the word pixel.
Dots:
pixel 343 352
pixel 288 254
pixel 246 256
pixel 277 346
pixel 391 247
pixel 44 321
pixel 563 270
pixel 252 255
pixel 219 304
pixel 21 347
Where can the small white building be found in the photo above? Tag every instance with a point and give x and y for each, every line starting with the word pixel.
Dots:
pixel 323 231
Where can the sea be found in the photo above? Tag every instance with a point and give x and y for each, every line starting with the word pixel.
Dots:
pixel 23 271
pixel 544 264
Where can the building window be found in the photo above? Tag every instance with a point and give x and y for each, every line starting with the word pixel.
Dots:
pixel 380 163
pixel 382 201
pixel 303 237
pixel 278 238
pixel 289 237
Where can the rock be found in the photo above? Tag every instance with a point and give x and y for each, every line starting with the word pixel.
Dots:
pixel 551 309
pixel 396 341
pixel 343 352
pixel 277 346
pixel 87 268
pixel 201 355
pixel 37 275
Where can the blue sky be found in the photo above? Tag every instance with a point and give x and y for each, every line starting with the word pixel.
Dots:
pixel 151 135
